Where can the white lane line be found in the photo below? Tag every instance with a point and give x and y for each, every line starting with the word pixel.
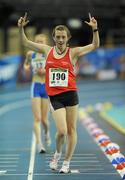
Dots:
pixel 9 158
pixel 83 165
pixel 10 155
pixel 14 105
pixel 51 154
pixel 7 166
pixel 83 170
pixel 58 174
pixel 32 158
pixel 86 173
pixel 9 107
pixel 10 170
pixel 86 161
pixel 7 162
pixel 14 95
pixel 14 149
pixel 79 158
pixel 15 174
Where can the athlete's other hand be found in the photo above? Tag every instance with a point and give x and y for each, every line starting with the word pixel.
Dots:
pixel 40 71
pixel 92 22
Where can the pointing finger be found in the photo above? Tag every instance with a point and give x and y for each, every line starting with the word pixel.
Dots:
pixel 90 17
pixel 25 16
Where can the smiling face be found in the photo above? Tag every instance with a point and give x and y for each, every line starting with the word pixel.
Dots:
pixel 61 35
pixel 61 38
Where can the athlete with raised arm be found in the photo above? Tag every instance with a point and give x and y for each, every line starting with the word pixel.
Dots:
pixel 40 105
pixel 61 84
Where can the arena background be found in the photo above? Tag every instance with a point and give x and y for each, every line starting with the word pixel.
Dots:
pixel 100 78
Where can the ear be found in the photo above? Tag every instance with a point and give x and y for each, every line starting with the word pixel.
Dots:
pixel 54 38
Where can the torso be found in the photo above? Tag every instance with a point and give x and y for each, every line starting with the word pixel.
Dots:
pixel 60 75
pixel 37 61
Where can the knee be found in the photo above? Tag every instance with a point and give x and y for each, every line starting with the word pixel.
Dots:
pixel 62 132
pixel 44 120
pixel 72 131
pixel 38 118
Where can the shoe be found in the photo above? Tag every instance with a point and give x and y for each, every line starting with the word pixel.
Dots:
pixel 2 172
pixel 65 168
pixel 47 139
pixel 54 163
pixel 40 148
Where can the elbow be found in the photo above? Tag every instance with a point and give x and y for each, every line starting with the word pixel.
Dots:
pixel 25 42
pixel 97 45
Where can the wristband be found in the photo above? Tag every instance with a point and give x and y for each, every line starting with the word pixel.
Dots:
pixel 95 30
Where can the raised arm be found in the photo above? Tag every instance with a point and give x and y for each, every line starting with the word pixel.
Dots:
pixel 41 48
pixel 79 51
pixel 27 62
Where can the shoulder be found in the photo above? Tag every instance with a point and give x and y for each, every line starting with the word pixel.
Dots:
pixel 74 50
pixel 74 53
pixel 48 49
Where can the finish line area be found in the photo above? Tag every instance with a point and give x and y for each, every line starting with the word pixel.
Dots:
pixel 18 158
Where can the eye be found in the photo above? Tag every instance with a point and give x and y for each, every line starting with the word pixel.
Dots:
pixel 64 37
pixel 57 37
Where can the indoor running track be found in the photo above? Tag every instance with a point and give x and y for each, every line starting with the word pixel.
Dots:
pixel 18 159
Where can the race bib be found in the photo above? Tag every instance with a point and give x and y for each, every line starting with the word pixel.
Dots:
pixel 37 64
pixel 58 77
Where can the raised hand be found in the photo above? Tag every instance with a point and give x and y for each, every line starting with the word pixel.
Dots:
pixel 92 22
pixel 23 21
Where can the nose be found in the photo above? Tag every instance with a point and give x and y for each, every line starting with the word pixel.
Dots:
pixel 60 39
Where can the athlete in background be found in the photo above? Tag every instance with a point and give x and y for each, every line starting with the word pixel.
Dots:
pixel 40 105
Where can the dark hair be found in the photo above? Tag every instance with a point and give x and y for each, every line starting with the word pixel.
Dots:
pixel 61 28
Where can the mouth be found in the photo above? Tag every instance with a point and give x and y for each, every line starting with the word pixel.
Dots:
pixel 60 43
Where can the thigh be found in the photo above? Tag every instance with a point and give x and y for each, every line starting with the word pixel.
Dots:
pixel 59 116
pixel 44 107
pixel 36 107
pixel 71 116
pixel 43 93
pixel 35 90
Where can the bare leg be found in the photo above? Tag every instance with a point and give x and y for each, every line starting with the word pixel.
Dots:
pixel 36 108
pixel 44 111
pixel 71 118
pixel 60 120
pixel 44 120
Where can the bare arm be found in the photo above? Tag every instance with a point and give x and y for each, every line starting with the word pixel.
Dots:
pixel 41 48
pixel 27 65
pixel 27 62
pixel 79 51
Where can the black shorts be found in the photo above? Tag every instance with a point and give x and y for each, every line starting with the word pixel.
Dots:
pixel 69 98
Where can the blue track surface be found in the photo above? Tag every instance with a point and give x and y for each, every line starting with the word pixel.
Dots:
pixel 16 146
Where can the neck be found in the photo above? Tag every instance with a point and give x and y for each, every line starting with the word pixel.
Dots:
pixel 60 51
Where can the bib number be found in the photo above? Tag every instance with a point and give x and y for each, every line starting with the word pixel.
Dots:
pixel 58 77
pixel 37 65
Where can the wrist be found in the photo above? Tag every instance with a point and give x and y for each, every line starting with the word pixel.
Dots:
pixel 95 29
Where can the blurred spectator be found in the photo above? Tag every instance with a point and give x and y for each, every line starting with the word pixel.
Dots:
pixel 122 66
pixel 86 68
